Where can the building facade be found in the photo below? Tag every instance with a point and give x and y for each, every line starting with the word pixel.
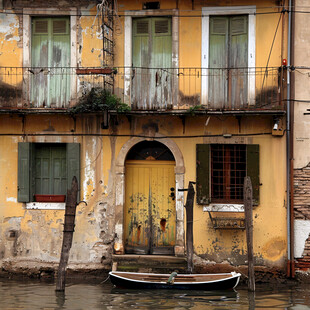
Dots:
pixel 198 95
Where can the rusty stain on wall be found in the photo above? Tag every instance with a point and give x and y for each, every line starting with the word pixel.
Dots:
pixel 274 248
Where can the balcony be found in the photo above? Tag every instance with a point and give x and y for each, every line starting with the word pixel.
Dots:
pixel 145 89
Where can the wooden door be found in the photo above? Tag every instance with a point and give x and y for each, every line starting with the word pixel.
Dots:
pixel 150 220
pixel 152 62
pixel 50 61
pixel 228 61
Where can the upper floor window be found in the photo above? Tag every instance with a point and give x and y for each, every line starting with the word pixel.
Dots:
pixel 228 61
pixel 152 61
pixel 50 62
pixel 228 57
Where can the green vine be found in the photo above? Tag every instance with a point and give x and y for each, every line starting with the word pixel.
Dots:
pixel 97 100
pixel 195 108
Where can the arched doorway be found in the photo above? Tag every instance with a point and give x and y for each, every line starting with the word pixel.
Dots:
pixel 150 212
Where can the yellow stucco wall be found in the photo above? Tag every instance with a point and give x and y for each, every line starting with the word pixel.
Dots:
pixel 39 232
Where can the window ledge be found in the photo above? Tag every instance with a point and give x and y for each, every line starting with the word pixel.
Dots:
pixel 46 205
pixel 224 207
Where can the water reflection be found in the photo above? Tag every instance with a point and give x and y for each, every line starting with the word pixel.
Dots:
pixel 39 295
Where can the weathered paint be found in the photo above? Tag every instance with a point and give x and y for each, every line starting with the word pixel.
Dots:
pixel 32 235
pixel 149 207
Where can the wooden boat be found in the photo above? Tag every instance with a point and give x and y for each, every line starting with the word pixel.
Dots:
pixel 208 282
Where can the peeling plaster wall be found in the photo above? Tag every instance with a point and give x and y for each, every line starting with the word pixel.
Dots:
pixel 36 235
pixel 32 235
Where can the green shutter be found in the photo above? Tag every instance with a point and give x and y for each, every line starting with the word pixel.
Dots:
pixel 50 59
pixel 218 58
pixel 202 173
pixel 252 162
pixel 24 171
pixel 152 51
pixel 73 163
pixel 239 59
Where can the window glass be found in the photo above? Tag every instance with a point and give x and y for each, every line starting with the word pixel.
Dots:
pixel 228 170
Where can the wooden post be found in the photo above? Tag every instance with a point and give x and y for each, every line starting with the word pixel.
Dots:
pixel 248 210
pixel 189 225
pixel 67 234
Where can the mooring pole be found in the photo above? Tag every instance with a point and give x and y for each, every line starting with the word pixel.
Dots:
pixel 248 210
pixel 189 225
pixel 67 234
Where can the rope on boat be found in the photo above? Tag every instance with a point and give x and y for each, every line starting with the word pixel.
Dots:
pixel 105 280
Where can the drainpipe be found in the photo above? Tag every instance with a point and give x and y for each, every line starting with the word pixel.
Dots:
pixel 289 154
pixel 292 85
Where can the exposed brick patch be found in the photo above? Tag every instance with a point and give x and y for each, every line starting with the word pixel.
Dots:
pixel 302 193
pixel 304 262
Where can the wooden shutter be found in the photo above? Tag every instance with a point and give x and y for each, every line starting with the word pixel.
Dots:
pixel 202 173
pixel 50 56
pixel 162 26
pixel 73 163
pixel 252 162
pixel 238 58
pixel 24 171
pixel 218 58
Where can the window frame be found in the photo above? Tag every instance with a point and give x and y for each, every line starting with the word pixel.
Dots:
pixel 226 168
pixel 28 14
pixel 205 36
pixel 128 30
pixel 26 156
pixel 203 177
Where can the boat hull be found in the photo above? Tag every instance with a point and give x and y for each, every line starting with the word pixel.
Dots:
pixel 223 284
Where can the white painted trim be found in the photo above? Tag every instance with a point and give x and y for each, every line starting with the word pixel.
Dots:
pixel 127 58
pixel 205 20
pixel 128 47
pixel 224 207
pixel 27 13
pixel 46 206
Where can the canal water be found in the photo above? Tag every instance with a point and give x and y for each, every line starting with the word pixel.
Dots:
pixel 34 295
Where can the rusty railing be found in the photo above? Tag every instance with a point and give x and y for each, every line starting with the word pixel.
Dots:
pixel 145 88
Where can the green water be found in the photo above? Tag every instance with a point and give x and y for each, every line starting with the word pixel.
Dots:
pixel 41 295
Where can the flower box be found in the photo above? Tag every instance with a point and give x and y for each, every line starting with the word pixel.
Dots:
pixel 50 198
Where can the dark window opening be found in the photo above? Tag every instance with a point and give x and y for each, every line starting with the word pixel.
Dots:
pixel 151 5
pixel 228 170
pixel 150 150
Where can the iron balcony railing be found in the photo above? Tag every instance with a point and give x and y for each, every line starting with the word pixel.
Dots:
pixel 145 88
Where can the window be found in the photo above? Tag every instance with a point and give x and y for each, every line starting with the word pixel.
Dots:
pixel 221 169
pixel 46 168
pixel 50 62
pixel 151 51
pixel 228 57
pixel 228 61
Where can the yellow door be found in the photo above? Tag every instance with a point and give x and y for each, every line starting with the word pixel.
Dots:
pixel 150 207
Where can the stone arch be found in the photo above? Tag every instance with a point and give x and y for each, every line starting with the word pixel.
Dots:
pixel 120 191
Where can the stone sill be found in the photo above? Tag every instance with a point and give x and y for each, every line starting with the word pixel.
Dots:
pixel 46 205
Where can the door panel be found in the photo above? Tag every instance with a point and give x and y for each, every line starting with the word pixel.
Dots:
pixel 149 207
pixel 163 209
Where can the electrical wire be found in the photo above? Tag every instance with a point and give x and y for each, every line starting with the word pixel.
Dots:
pixel 131 136
pixel 271 48
pixel 121 13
